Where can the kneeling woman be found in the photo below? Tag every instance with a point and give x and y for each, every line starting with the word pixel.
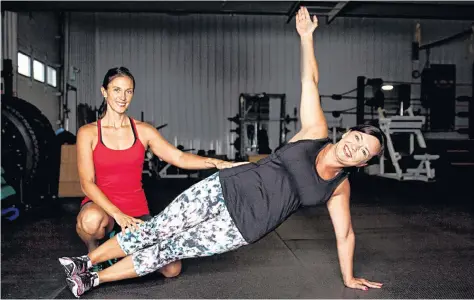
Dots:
pixel 240 205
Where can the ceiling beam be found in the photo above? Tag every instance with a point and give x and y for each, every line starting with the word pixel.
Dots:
pixel 365 9
pixel 337 10
pixel 448 39
pixel 173 7
pixel 417 10
pixel 292 11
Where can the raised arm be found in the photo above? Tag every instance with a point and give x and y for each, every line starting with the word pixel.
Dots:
pixel 339 211
pixel 313 121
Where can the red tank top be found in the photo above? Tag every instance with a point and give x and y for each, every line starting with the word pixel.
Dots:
pixel 118 174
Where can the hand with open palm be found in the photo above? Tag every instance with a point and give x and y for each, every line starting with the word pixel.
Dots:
pixel 362 284
pixel 304 24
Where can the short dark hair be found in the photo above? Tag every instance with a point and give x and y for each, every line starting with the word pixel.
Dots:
pixel 375 132
pixel 109 76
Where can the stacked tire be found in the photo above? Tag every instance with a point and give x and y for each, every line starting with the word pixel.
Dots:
pixel 30 153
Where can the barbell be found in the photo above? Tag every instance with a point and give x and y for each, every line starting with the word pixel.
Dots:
pixel 287 119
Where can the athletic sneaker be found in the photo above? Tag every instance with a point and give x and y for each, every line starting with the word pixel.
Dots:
pixel 75 265
pixel 81 283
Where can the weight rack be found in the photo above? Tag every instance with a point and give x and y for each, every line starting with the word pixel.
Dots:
pixel 252 110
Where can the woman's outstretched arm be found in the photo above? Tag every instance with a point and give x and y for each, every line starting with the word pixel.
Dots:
pixel 313 121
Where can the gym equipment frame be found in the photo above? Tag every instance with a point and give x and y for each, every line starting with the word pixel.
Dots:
pixel 254 112
pixel 412 125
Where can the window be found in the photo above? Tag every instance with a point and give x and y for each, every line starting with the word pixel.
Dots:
pixel 24 64
pixel 38 70
pixel 51 76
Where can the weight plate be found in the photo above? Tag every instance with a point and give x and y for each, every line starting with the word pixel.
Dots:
pixel 35 150
pixel 19 142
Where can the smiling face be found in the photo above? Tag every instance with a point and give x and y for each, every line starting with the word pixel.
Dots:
pixel 119 93
pixel 356 148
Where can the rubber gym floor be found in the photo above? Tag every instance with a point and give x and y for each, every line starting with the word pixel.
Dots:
pixel 415 238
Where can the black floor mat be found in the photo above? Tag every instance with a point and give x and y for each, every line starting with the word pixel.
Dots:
pixel 418 245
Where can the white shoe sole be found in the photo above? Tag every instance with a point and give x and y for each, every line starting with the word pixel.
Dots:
pixel 72 286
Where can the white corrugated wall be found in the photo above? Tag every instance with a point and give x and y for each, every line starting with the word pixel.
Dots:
pixel 190 70
pixel 82 64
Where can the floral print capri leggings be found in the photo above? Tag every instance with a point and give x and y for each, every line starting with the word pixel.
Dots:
pixel 195 224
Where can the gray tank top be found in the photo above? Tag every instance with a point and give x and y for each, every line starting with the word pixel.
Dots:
pixel 260 196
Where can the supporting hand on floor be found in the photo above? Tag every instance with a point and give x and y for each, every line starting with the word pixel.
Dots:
pixel 362 284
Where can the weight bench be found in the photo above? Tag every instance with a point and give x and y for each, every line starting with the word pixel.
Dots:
pixel 335 128
pixel 410 125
